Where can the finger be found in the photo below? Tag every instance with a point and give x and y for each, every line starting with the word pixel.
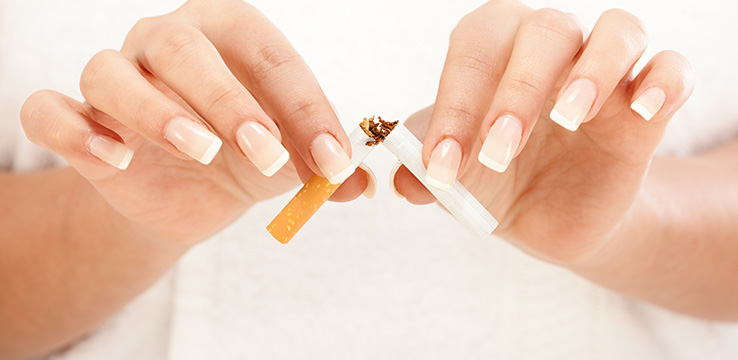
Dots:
pixel 371 187
pixel 545 45
pixel 405 185
pixel 59 123
pixel 270 68
pixel 479 50
pixel 113 85
pixel 182 57
pixel 662 87
pixel 361 182
pixel 617 42
pixel 351 188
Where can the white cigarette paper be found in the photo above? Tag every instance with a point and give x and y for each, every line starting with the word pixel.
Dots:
pixel 314 194
pixel 458 201
pixel 359 149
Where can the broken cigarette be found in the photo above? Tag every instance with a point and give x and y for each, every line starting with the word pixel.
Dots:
pixel 458 201
pixel 318 189
pixel 408 149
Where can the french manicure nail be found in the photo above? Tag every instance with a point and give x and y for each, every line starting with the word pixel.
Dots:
pixel 444 164
pixel 193 139
pixel 331 159
pixel 261 147
pixel 393 188
pixel 501 143
pixel 649 103
pixel 371 185
pixel 110 151
pixel 574 105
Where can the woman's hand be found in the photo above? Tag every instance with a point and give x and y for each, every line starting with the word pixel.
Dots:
pixel 183 84
pixel 552 134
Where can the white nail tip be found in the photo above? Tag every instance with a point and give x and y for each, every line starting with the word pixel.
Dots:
pixel 436 183
pixel 492 164
pixel 563 121
pixel 211 151
pixel 125 161
pixel 642 111
pixel 278 164
pixel 110 151
pixel 649 103
pixel 193 139
pixel 342 176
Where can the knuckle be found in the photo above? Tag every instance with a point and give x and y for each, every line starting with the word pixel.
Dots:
pixel 304 109
pixel 91 73
pixel 630 26
pixel 683 73
pixel 172 41
pixel 147 113
pixel 477 61
pixel 223 96
pixel 143 25
pixel 272 61
pixel 554 25
pixel 527 86
pixel 461 112
pixel 37 107
pixel 468 23
pixel 36 103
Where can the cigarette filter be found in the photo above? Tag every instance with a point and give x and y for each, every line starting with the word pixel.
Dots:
pixel 315 193
pixel 458 201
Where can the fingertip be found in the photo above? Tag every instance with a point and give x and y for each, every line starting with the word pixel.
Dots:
pixel 663 86
pixel 393 179
pixel 371 187
pixel 502 143
pixel 408 186
pixel 352 188
pixel 649 102
pixel 110 151
pixel 329 155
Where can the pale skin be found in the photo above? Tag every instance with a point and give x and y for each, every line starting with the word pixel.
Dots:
pixel 89 238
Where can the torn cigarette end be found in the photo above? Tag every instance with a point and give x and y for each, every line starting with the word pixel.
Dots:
pixel 301 208
pixel 378 131
pixel 317 190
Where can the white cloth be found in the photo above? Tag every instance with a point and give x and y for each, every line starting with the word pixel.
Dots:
pixel 418 286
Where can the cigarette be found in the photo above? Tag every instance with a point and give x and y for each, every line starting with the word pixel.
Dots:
pixel 458 200
pixel 318 189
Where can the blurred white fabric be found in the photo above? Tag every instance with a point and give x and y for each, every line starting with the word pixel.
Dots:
pixel 418 286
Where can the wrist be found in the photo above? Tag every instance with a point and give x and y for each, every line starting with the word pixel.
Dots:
pixel 96 215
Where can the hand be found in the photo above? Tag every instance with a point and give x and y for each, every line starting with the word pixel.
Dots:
pixel 182 85
pixel 560 188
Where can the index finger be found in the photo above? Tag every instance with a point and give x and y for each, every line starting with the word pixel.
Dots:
pixel 260 56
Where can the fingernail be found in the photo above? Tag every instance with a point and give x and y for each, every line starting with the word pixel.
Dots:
pixel 392 186
pixel 649 103
pixel 193 139
pixel 261 147
pixel 444 164
pixel 330 157
pixel 574 105
pixel 501 143
pixel 110 151
pixel 371 179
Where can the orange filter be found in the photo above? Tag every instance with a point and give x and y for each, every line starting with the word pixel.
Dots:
pixel 301 208
pixel 317 190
